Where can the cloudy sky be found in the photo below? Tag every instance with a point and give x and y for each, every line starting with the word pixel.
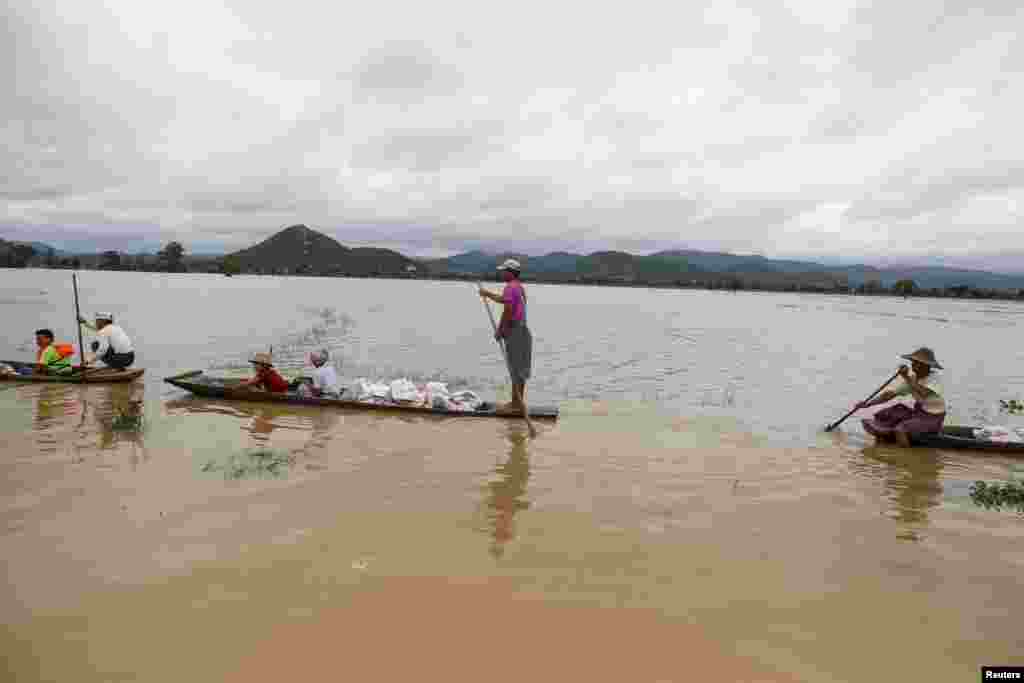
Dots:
pixel 859 131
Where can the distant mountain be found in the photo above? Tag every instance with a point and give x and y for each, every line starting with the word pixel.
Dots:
pixel 604 264
pixel 42 249
pixel 556 262
pixel 934 277
pixel 721 262
pixel 674 264
pixel 298 249
pixel 470 263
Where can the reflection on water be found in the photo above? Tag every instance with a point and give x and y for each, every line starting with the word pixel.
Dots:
pixel 55 405
pixel 506 494
pixel 302 431
pixel 262 425
pixel 117 411
pixel 912 478
pixel 315 449
pixel 87 418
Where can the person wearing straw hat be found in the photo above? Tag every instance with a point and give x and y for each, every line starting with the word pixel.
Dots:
pixel 514 332
pixel 929 411
pixel 112 345
pixel 266 376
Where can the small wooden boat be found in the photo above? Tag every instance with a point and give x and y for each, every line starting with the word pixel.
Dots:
pixel 950 438
pixel 91 375
pixel 214 387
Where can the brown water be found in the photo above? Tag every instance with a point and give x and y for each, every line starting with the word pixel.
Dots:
pixel 685 517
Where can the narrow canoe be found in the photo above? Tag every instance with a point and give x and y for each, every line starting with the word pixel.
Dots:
pixel 97 375
pixel 952 438
pixel 213 387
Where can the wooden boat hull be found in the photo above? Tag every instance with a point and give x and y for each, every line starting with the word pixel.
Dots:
pixel 206 387
pixel 92 375
pixel 951 438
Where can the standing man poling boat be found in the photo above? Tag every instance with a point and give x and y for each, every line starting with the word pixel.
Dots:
pixel 929 412
pixel 113 347
pixel 513 331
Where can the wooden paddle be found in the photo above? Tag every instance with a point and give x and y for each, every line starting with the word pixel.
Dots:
pixel 838 422
pixel 508 366
pixel 78 320
pixel 84 368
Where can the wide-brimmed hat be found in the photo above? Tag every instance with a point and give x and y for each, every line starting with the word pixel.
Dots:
pixel 511 264
pixel 923 355
pixel 262 359
pixel 104 316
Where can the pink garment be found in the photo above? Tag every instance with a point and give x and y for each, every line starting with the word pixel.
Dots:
pixel 515 298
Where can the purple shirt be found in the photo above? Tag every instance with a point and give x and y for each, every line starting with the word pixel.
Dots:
pixel 515 300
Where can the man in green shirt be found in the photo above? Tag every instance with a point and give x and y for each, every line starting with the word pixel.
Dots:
pixel 49 359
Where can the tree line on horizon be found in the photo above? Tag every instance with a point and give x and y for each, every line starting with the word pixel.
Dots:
pixel 173 258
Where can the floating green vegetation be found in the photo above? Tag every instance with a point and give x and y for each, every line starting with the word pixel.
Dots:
pixel 258 463
pixel 999 495
pixel 1011 406
pixel 126 423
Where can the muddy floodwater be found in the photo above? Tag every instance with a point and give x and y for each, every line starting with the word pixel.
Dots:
pixel 685 519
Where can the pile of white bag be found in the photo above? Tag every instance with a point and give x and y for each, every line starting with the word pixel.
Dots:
pixel 404 392
pixel 1000 434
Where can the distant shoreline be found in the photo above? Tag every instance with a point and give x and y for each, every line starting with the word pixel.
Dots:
pixel 729 282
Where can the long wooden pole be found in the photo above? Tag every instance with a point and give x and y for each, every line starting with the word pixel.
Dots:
pixel 508 366
pixel 78 321
pixel 843 418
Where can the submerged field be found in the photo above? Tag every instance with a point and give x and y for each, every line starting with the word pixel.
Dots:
pixel 685 517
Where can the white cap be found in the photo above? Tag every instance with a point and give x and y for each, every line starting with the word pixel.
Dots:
pixel 104 316
pixel 510 264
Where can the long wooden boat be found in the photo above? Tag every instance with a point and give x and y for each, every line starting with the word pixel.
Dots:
pixel 91 375
pixel 214 387
pixel 952 438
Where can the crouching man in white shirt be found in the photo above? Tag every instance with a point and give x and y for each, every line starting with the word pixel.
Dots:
pixel 113 346
pixel 325 379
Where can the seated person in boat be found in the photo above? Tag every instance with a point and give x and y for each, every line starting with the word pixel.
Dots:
pixel 53 359
pixel 325 378
pixel 267 377
pixel 113 346
pixel 929 410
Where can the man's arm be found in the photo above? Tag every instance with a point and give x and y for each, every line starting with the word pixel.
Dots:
pixel 101 345
pixel 503 323
pixel 491 295
pixel 883 397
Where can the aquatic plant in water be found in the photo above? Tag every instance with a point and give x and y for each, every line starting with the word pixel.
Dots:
pixel 126 422
pixel 1011 406
pixel 256 463
pixel 999 495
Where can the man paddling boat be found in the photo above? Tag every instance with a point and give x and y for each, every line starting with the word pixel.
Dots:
pixel 267 377
pixel 513 331
pixel 929 411
pixel 112 346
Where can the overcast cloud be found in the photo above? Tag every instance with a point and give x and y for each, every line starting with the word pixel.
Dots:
pixel 870 131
